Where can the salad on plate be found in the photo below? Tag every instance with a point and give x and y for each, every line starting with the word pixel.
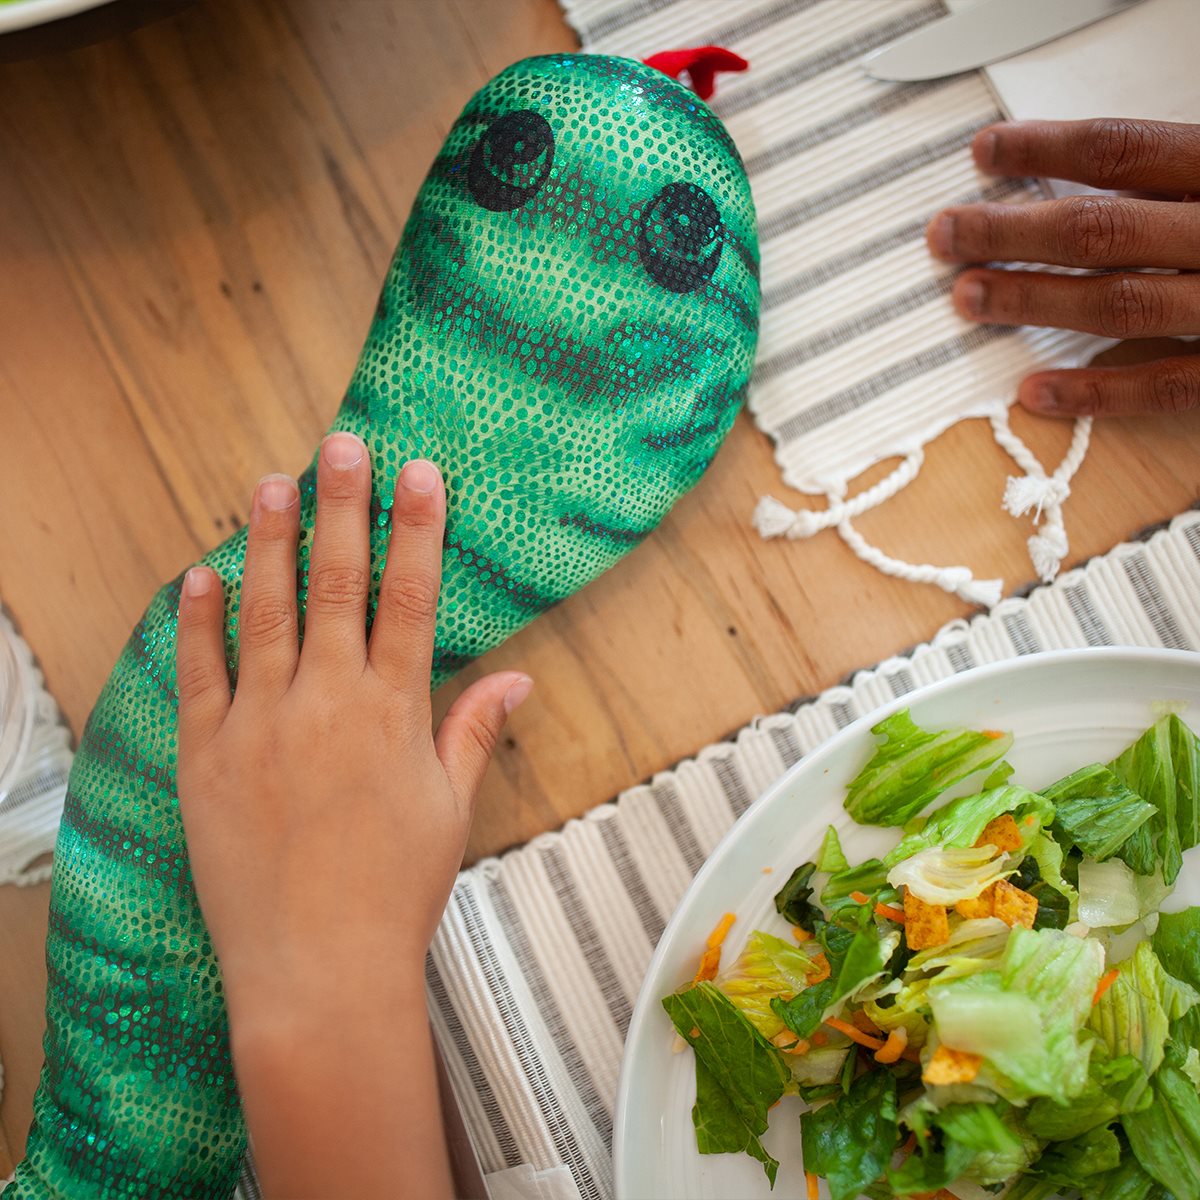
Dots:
pixel 997 1006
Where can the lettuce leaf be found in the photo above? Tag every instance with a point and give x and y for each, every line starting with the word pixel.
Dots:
pixel 913 766
pixel 960 822
pixel 1127 1182
pixel 739 1074
pixel 1095 811
pixel 1115 1086
pixel 945 875
pixel 869 877
pixel 1093 1153
pixel 793 901
pixel 1108 894
pixel 1165 1137
pixel 1041 875
pixel 975 1140
pixel 850 1141
pixel 1134 1015
pixel 1025 1017
pixel 767 968
pixel 831 858
pixel 1177 943
pixel 1162 767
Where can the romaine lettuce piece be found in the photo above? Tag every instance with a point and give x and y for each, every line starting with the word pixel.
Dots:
pixel 768 967
pixel 946 875
pixel 976 1141
pixel 1165 1137
pixel 1162 767
pixel 961 822
pixel 1095 811
pixel 975 945
pixel 739 1074
pixel 1177 944
pixel 1134 1015
pixel 850 1141
pixel 1041 876
pixel 1115 1086
pixel 1093 1153
pixel 831 858
pixel 793 901
pixel 913 766
pixel 868 877
pixel 1108 894
pixel 1127 1182
pixel 1025 1017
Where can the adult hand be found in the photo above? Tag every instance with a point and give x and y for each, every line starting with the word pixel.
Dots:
pixel 1160 164
pixel 325 823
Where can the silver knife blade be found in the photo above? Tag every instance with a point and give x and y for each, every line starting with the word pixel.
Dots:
pixel 982 34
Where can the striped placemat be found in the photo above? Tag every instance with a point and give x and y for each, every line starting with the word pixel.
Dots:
pixel 535 969
pixel 861 356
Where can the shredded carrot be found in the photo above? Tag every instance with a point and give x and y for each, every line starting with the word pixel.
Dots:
pixel 801 935
pixel 695 1031
pixel 823 970
pixel 785 1042
pixel 813 1189
pixel 768 870
pixel 820 1038
pixel 710 960
pixel 1106 981
pixel 863 1022
pixel 910 1144
pixel 860 897
pixel 855 1035
pixel 912 1054
pixel 892 914
pixel 994 734
pixel 717 936
pixel 896 1044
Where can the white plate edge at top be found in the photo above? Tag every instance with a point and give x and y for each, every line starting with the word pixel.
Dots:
pixel 26 13
pixel 646 1007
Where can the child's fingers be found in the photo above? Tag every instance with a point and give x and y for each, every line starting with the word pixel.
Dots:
pixel 340 568
pixel 467 736
pixel 402 637
pixel 267 629
pixel 200 672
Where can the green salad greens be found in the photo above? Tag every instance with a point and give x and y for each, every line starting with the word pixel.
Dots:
pixel 995 1006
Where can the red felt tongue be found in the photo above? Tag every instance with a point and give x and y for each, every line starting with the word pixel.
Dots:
pixel 701 64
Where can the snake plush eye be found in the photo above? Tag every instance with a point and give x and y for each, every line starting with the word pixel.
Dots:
pixel 511 161
pixel 679 241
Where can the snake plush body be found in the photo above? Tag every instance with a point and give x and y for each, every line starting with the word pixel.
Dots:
pixel 567 328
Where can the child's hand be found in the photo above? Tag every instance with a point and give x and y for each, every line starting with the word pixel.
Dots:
pixel 325 821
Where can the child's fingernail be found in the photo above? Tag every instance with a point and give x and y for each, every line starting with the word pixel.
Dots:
pixel 941 234
pixel 277 492
pixel 343 451
pixel 518 693
pixel 972 297
pixel 419 476
pixel 197 582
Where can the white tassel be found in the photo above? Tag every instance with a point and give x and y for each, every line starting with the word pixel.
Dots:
pixel 1033 492
pixel 984 592
pixel 1048 549
pixel 773 519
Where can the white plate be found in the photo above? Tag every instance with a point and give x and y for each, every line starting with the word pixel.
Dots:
pixel 24 13
pixel 1066 709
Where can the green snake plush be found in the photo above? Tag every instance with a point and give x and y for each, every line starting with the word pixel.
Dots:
pixel 567 328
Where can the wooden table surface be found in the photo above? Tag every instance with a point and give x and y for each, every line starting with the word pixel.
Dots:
pixel 194 221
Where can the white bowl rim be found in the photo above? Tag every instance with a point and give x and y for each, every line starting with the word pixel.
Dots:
pixel 25 13
pixel 1040 660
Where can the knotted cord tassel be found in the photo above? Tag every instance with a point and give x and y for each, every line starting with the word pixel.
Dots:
pixel 1047 550
pixel 1027 493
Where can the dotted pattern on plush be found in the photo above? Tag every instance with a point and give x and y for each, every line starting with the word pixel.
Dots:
pixel 567 328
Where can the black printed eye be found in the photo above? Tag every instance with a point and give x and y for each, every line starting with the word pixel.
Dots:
pixel 511 161
pixel 679 241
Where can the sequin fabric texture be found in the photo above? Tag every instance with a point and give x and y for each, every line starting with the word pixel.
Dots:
pixel 567 329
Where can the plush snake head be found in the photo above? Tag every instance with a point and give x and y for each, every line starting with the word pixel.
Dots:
pixel 567 329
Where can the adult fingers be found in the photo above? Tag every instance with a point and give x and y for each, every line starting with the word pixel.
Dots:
pixel 467 736
pixel 401 648
pixel 1118 306
pixel 1166 385
pixel 1112 154
pixel 201 675
pixel 1078 231
pixel 267 627
pixel 339 570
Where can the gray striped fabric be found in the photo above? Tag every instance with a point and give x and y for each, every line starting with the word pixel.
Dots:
pixel 861 357
pixel 536 967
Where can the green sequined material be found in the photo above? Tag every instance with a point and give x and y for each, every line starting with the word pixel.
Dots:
pixel 567 329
